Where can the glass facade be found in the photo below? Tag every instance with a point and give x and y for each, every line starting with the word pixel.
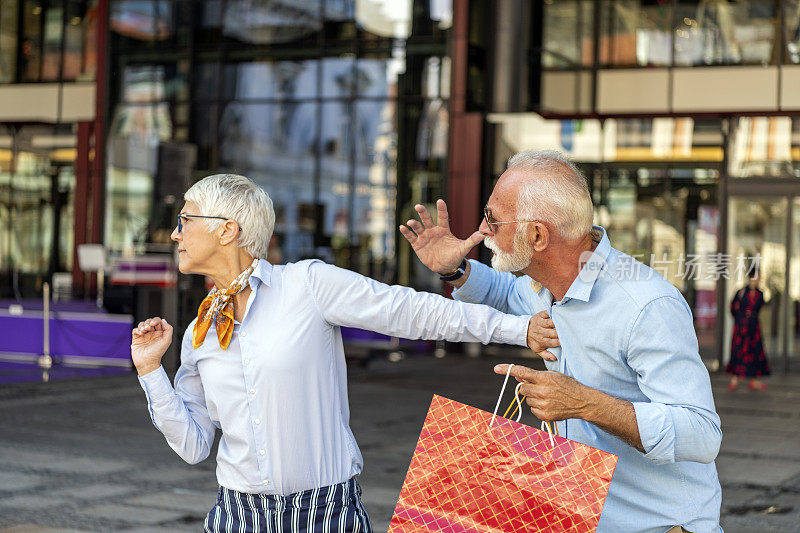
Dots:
pixel 47 40
pixel 37 183
pixel 335 107
pixel 670 33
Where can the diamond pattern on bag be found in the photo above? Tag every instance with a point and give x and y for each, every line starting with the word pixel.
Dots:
pixel 466 477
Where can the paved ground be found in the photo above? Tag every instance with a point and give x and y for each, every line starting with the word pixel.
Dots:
pixel 82 455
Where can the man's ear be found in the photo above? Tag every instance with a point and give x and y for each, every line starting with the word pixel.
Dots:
pixel 539 236
pixel 228 232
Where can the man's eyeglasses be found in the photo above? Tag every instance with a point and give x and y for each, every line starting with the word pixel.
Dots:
pixel 491 222
pixel 182 216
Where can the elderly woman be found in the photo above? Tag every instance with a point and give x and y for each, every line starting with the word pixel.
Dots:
pixel 264 362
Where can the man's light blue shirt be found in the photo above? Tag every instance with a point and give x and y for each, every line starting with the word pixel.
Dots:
pixel 279 392
pixel 628 332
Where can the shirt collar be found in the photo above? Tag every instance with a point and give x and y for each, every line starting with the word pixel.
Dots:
pixel 581 288
pixel 262 273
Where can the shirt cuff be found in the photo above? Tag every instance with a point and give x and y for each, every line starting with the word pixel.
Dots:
pixel 656 431
pixel 156 384
pixel 514 330
pixel 474 289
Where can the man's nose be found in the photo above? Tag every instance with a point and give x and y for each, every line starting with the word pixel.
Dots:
pixel 485 228
pixel 174 235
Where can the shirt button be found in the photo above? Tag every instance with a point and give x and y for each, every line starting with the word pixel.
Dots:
pixel 247 361
pixel 261 452
pixel 252 391
pixel 257 421
pixel 243 333
pixel 265 482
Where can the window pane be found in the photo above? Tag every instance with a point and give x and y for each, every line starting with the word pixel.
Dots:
pixel 80 35
pixel 142 20
pixel 722 33
pixel 273 144
pixel 791 24
pixel 31 60
pixel 338 77
pixel 336 157
pixel 635 34
pixel 763 147
pixel 280 80
pixel 376 187
pixel 8 40
pixel 567 34
pixel 51 62
pixel 271 22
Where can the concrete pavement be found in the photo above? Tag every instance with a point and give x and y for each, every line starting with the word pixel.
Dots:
pixel 82 455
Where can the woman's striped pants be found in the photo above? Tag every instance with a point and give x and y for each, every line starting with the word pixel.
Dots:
pixel 333 509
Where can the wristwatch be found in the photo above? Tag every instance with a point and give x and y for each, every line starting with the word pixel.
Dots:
pixel 455 274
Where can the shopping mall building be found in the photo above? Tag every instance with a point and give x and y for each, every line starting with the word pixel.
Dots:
pixel 684 115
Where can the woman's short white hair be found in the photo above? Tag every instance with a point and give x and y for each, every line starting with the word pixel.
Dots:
pixel 237 198
pixel 558 194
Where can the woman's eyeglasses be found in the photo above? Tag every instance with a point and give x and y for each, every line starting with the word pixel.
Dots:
pixel 182 216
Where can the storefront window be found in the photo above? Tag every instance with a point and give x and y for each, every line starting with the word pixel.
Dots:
pixel 764 147
pixel 267 80
pixel 273 144
pixel 568 40
pixel 726 33
pixel 634 32
pixel 791 28
pixel 8 40
pixel 31 56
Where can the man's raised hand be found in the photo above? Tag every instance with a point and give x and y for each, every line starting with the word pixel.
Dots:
pixel 435 244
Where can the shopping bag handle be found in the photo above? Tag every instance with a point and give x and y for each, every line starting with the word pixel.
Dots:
pixel 500 398
pixel 545 425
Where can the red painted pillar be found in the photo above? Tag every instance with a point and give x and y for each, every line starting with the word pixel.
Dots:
pixel 98 171
pixel 466 137
pixel 81 197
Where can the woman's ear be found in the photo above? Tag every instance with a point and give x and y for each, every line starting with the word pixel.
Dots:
pixel 228 232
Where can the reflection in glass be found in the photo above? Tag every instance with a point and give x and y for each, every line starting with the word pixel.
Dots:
pixel 721 32
pixel 336 151
pixel 635 34
pixel 567 34
pixel 31 53
pixel 339 77
pixel 271 80
pixel 791 28
pixel 8 40
pixel 143 20
pixel 80 27
pixel 387 18
pixel 31 228
pixel 757 228
pixel 376 186
pixel 794 284
pixel 273 144
pixel 378 77
pixel 51 57
pixel 278 21
pixel 761 147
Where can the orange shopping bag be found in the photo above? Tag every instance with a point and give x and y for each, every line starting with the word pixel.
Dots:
pixel 468 477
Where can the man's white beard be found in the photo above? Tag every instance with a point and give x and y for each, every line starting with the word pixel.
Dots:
pixel 517 260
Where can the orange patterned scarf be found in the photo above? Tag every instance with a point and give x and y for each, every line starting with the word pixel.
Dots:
pixel 219 304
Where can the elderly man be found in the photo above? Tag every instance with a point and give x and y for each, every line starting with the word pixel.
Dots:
pixel 263 362
pixel 628 379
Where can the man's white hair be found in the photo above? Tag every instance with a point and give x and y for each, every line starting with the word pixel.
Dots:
pixel 237 198
pixel 558 194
